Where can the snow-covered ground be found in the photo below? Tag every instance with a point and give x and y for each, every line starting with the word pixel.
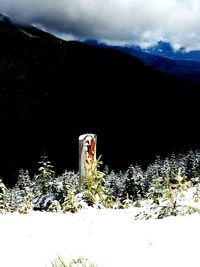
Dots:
pixel 109 238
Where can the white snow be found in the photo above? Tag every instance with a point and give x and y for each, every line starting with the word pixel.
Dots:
pixel 28 34
pixel 106 237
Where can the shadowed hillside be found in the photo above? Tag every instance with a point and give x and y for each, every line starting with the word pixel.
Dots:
pixel 51 91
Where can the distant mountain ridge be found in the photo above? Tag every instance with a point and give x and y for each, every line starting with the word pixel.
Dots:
pixel 183 68
pixel 162 57
pixel 51 91
pixel 164 49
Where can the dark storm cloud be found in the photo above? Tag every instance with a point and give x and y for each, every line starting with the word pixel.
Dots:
pixel 139 22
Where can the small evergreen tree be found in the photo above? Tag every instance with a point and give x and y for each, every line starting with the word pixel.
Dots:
pixel 24 182
pixel 45 175
pixel 134 182
pixel 116 184
pixel 94 186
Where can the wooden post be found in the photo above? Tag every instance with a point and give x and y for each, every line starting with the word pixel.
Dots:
pixel 87 155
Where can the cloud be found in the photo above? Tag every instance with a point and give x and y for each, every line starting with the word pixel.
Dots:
pixel 139 22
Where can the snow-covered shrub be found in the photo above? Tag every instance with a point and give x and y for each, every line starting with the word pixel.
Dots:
pixel 189 164
pixel 192 165
pixel 10 200
pixel 166 195
pixel 64 183
pixel 45 176
pixel 26 205
pixel 74 202
pixel 24 182
pixel 107 189
pixel 42 184
pixel 23 193
pixel 55 206
pixel 128 186
pixel 116 183
pixel 58 190
pixel 19 198
pixel 50 191
pixel 93 192
pixel 134 183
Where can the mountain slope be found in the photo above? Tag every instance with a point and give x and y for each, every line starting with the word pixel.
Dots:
pixel 185 66
pixel 188 70
pixel 51 91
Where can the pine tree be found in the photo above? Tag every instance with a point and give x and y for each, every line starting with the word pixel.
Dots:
pixel 134 182
pixel 45 176
pixel 24 182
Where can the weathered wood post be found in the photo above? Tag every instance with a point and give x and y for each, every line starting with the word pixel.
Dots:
pixel 87 155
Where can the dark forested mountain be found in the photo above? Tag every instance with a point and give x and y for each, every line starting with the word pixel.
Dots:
pixel 51 91
pixel 185 66
pixel 186 69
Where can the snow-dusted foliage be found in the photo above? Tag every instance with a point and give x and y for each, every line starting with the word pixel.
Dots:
pixel 168 197
pixel 3 190
pixel 44 191
pixel 116 182
pixel 161 185
pixel 79 262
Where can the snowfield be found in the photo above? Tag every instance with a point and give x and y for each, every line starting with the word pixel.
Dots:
pixel 107 237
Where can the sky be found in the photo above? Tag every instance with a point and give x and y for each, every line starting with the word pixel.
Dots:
pixel 115 22
pixel 107 237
